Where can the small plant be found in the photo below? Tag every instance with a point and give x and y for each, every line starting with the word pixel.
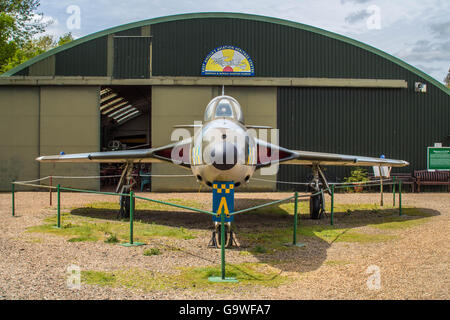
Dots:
pixel 357 175
pixel 152 252
pixel 112 238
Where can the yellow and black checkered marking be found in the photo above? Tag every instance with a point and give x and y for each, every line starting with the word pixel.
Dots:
pixel 223 187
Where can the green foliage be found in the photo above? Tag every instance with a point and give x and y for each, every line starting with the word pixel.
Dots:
pixel 358 174
pixel 19 26
pixel 152 252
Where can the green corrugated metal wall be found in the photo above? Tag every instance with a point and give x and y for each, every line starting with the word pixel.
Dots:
pixel 132 58
pixel 86 59
pixel 179 48
pixel 398 123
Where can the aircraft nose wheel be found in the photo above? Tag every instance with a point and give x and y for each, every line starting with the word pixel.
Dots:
pixel 216 237
pixel 316 208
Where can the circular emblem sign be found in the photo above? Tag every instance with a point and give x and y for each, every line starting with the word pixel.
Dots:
pixel 228 61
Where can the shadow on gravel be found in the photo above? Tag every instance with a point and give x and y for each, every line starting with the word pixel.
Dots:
pixel 264 232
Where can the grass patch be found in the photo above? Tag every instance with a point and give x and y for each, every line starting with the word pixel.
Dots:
pixel 303 208
pixel 78 228
pixel 247 274
pixel 112 238
pixel 260 249
pixel 276 238
pixel 145 205
pixel 152 252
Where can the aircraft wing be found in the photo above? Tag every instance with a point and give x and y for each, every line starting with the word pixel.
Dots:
pixel 269 153
pixel 177 153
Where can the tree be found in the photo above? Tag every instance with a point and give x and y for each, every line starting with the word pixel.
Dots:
pixel 65 38
pixel 19 23
pixel 32 48
pixel 27 22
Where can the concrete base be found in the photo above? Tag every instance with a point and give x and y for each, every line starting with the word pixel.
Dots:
pixel 134 244
pixel 219 279
pixel 295 245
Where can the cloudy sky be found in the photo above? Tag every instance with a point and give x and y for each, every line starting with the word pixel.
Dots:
pixel 416 31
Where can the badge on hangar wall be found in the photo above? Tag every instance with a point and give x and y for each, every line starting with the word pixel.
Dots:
pixel 228 61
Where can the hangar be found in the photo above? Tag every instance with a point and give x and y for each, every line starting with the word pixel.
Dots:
pixel 127 86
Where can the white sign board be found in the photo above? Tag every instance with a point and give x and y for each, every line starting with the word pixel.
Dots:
pixel 385 171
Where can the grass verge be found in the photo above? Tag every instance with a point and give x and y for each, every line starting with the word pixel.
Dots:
pixel 188 278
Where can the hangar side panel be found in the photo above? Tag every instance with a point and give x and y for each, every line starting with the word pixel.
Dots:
pixel 171 106
pixel 370 122
pixel 70 122
pixel 19 127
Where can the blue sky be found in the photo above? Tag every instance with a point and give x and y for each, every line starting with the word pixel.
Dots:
pixel 416 31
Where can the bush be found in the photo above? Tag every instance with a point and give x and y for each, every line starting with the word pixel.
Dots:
pixel 357 175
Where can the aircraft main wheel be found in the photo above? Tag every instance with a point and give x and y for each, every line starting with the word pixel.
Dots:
pixel 315 206
pixel 125 206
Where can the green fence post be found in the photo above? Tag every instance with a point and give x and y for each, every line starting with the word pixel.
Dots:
pixel 12 195
pixel 222 243
pixel 132 243
pixel 393 191
pixel 294 242
pixel 58 217
pixel 400 198
pixel 131 216
pixel 332 204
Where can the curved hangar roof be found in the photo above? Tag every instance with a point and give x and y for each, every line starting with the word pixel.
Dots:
pixel 177 45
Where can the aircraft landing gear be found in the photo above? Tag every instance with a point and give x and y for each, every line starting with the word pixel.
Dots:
pixel 126 184
pixel 316 208
pixel 215 241
pixel 317 202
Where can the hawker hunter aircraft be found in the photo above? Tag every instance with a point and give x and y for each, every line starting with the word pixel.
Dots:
pixel 224 148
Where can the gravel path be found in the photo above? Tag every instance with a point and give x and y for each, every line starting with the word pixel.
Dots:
pixel 413 266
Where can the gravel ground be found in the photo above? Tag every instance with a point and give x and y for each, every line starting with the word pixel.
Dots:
pixel 413 266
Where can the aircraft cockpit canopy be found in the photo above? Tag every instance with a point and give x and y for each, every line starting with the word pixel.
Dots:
pixel 224 107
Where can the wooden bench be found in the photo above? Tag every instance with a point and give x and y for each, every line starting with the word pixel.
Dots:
pixel 432 178
pixel 405 178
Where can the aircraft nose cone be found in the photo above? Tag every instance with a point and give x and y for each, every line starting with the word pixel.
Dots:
pixel 224 156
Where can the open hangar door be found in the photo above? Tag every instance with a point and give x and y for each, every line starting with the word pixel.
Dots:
pixel 125 124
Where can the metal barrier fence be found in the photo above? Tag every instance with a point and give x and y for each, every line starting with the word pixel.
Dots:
pixel 132 196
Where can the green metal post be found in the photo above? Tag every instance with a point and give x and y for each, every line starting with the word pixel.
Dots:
pixel 393 191
pixel 400 198
pixel 295 217
pixel 332 204
pixel 222 242
pixel 12 194
pixel 58 221
pixel 132 243
pixel 131 216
